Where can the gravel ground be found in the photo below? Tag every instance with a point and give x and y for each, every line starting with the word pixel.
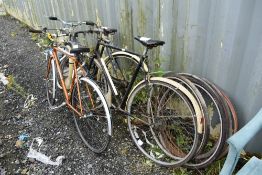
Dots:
pixel 21 58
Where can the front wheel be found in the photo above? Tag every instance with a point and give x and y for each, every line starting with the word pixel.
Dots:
pixel 162 121
pixel 55 95
pixel 94 126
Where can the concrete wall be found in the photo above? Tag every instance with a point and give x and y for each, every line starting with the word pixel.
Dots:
pixel 217 39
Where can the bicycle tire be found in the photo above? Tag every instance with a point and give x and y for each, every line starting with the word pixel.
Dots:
pixel 233 112
pixel 133 125
pixel 234 122
pixel 207 157
pixel 166 139
pixel 94 127
pixel 190 86
pixel 233 119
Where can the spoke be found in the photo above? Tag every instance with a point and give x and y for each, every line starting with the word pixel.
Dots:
pixel 169 97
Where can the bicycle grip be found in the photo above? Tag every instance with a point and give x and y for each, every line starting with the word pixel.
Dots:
pixel 35 31
pixel 52 18
pixel 89 23
pixel 108 30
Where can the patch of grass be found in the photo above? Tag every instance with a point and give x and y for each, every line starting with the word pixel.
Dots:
pixel 44 41
pixel 41 40
pixel 215 167
pixel 13 34
pixel 182 171
pixel 148 163
pixel 141 165
pixel 34 36
pixel 23 25
pixel 14 86
pixel 124 149
pixel 7 15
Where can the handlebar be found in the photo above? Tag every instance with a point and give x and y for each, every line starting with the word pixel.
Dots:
pixel 90 23
pixel 98 30
pixel 70 23
pixel 108 30
pixel 44 30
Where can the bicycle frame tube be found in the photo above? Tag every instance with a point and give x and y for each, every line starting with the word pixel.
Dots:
pixel 129 87
pixel 74 77
pixel 117 48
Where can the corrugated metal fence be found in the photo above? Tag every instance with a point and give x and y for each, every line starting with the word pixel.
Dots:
pixel 217 39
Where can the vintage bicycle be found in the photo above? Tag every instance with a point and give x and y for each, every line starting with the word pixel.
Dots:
pixel 82 96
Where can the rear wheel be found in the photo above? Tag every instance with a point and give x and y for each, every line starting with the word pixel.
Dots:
pixel 94 126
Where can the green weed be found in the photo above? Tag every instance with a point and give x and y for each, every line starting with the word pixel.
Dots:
pixel 14 86
pixel 215 167
pixel 182 171
pixel 13 34
pixel 34 36
pixel 23 25
pixel 44 42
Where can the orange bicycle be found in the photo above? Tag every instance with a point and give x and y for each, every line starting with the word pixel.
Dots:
pixel 82 95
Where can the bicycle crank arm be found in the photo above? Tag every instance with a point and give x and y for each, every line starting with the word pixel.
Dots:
pixel 57 107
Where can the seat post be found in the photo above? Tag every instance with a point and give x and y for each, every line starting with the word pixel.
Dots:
pixel 145 52
pixel 68 80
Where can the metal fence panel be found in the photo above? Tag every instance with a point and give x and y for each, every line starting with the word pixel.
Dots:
pixel 217 39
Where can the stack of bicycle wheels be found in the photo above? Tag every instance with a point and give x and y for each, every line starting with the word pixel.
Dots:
pixel 172 137
pixel 220 119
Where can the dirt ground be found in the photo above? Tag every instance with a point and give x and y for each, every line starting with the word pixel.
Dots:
pixel 21 59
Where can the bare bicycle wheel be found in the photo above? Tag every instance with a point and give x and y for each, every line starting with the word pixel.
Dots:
pixel 147 122
pixel 94 127
pixel 233 120
pixel 218 119
pixel 194 90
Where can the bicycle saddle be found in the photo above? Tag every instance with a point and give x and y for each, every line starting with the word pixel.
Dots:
pixel 148 42
pixel 80 50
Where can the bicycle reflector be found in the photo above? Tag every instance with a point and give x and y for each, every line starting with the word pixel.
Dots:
pixel 49 36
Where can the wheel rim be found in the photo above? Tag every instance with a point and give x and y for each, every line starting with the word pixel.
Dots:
pixel 143 136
